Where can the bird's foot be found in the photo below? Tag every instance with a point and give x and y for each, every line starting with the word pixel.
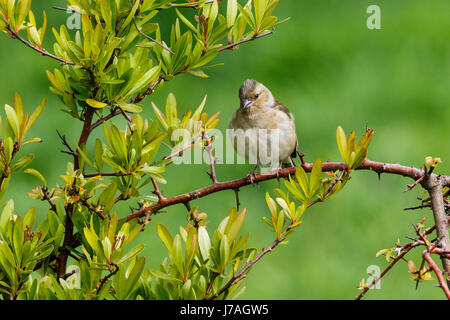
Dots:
pixel 302 157
pixel 251 177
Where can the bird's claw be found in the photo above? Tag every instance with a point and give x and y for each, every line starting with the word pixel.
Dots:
pixel 251 177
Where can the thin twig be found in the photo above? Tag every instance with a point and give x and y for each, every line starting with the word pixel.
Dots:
pixel 66 144
pixel 147 36
pixel 210 284
pixel 15 35
pixel 410 187
pixel 405 248
pixel 103 280
pixel 180 152
pixel 330 189
pixel 48 198
pixel 241 274
pixel 103 119
pixel 442 283
pixel 149 91
pixel 382 274
pixel 192 6
pixel 238 202
pixel 423 206
pixel 157 191
pixel 92 208
pixel 115 174
pixel 212 175
pixel 232 46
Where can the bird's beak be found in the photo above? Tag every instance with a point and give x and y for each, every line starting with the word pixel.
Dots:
pixel 246 103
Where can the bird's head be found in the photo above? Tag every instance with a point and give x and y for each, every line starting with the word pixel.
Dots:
pixel 255 95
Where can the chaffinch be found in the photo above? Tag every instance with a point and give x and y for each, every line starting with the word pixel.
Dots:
pixel 263 130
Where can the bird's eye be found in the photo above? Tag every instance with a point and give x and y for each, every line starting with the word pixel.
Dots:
pixel 256 95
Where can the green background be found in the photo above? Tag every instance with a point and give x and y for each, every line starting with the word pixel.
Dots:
pixel 330 70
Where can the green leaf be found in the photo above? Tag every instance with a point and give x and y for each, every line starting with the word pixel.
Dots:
pixel 236 225
pixel 43 252
pixel 96 104
pixel 98 155
pixel 165 236
pixel 36 114
pixel 18 239
pixel 204 242
pixel 171 111
pixel 186 21
pixel 302 179
pixel 30 217
pixel 132 253
pixel 260 8
pixel 22 162
pixel 152 170
pixel 161 116
pixel 12 120
pixel 7 215
pixel 224 250
pixel 145 80
pixel 164 276
pixel 131 107
pixel 37 174
pixel 177 254
pixel 93 240
pixel 315 177
pixel 342 144
pixel 232 10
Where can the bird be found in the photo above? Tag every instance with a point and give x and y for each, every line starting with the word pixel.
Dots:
pixel 262 129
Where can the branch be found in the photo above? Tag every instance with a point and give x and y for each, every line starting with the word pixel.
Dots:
pixel 180 152
pixel 109 275
pixel 369 165
pixel 68 232
pixel 149 91
pixel 185 5
pixel 103 119
pixel 434 187
pixel 212 160
pixel 115 174
pixel 147 36
pixel 232 46
pixel 15 35
pixel 157 191
pixel 48 198
pixel 407 247
pixel 241 274
pixel 150 38
pixel 69 150
pixel 442 283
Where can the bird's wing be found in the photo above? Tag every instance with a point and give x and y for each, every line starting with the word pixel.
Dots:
pixel 278 106
pixel 283 108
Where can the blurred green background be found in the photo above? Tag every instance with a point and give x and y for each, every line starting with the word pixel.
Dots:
pixel 330 70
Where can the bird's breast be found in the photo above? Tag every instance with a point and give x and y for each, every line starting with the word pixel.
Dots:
pixel 267 135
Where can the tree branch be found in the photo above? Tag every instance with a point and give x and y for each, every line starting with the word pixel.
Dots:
pixel 434 187
pixel 232 46
pixel 369 165
pixel 406 248
pixel 68 234
pixel 241 274
pixel 15 35
pixel 442 283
